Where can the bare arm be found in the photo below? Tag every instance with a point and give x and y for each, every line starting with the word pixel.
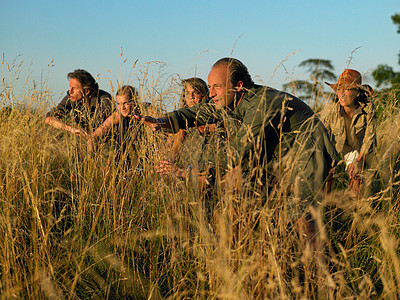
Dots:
pixel 114 119
pixel 233 179
pixel 58 124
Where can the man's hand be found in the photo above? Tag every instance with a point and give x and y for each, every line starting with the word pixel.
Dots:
pixel 355 169
pixel 168 168
pixel 156 124
pixel 79 132
pixel 58 124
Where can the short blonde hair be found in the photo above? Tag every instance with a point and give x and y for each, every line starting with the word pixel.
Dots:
pixel 129 91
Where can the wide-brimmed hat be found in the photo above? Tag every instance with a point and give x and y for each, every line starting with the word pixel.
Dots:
pixel 350 79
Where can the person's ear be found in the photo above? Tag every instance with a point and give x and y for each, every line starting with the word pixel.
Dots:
pixel 239 86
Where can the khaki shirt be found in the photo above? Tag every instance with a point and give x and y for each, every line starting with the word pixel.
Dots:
pixel 360 134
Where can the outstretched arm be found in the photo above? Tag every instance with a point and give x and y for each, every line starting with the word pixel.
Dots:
pixel 58 124
pixel 114 119
pixel 156 124
pixel 54 117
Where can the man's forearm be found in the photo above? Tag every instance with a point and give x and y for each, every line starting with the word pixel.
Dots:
pixel 155 124
pixel 57 123
pixel 164 122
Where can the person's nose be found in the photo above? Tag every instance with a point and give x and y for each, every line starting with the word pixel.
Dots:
pixel 212 92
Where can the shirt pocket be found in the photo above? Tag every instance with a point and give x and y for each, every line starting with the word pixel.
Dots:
pixel 337 130
pixel 360 125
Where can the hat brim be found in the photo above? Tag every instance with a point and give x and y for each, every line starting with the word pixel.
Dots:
pixel 365 87
pixel 334 86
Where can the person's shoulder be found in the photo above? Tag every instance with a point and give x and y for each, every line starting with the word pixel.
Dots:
pixel 65 102
pixel 272 97
pixel 369 106
pixel 256 89
pixel 255 93
pixel 104 99
pixel 103 95
pixel 268 92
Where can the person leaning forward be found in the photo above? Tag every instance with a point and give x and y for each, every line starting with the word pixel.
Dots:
pixel 279 133
pixel 351 122
pixel 88 105
pixel 281 120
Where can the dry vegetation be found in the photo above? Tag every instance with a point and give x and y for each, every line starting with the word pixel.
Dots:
pixel 68 230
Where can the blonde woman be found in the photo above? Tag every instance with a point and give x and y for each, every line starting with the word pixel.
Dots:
pixel 125 130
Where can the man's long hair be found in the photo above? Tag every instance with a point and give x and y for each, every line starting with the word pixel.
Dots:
pixel 87 81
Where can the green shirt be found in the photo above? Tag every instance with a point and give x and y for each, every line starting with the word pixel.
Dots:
pixel 191 147
pixel 271 124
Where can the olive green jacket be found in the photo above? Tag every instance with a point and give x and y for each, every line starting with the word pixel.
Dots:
pixel 271 124
pixel 191 147
pixel 362 128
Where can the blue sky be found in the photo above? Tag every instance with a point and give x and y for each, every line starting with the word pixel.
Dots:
pixel 270 37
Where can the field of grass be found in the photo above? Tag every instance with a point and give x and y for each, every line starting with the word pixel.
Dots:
pixel 68 229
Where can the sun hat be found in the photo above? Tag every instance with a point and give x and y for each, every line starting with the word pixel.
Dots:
pixel 350 79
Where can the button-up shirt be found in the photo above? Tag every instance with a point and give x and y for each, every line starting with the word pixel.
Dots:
pixel 359 133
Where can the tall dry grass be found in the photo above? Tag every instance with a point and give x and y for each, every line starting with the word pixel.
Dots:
pixel 69 229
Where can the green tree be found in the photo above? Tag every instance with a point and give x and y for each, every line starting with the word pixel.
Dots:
pixel 384 74
pixel 312 89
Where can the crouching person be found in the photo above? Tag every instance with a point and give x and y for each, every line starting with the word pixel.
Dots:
pixel 125 132
pixel 88 105
pixel 351 122
pixel 271 125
